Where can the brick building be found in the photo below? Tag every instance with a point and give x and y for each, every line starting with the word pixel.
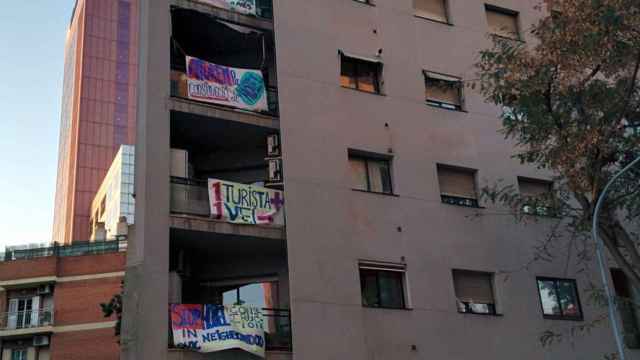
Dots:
pixel 50 302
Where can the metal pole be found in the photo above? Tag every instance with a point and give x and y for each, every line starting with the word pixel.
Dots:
pixel 601 260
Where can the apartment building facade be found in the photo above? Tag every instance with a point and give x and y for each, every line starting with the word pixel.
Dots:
pixel 98 107
pixel 385 250
pixel 50 301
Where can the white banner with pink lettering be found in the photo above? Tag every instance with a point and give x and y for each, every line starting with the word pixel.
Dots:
pixel 245 204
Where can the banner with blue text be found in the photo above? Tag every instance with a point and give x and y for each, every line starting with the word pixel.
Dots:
pixel 245 204
pixel 210 328
pixel 217 84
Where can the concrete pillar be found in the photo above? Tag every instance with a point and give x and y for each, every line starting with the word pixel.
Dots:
pixel 145 316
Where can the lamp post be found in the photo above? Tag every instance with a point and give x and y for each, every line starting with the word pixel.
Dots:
pixel 601 260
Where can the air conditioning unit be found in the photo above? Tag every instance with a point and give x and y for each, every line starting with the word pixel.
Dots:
pixel 45 289
pixel 275 170
pixel 273 145
pixel 41 340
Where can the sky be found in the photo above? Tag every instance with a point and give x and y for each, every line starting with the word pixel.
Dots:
pixel 32 38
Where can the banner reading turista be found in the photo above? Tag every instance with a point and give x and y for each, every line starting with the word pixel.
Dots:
pixel 240 88
pixel 211 328
pixel 245 204
pixel 241 6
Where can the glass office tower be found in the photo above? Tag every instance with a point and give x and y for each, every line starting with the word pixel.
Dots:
pixel 98 107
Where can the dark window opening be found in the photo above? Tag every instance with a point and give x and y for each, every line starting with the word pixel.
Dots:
pixel 382 287
pixel 626 308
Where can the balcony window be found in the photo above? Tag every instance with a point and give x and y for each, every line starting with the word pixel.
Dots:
pixel 559 299
pixel 457 186
pixel 443 91
pixel 19 354
pixel 474 292
pixel 533 191
pixel 626 308
pixel 502 22
pixel 432 9
pixel 383 286
pixel 370 172
pixel 360 74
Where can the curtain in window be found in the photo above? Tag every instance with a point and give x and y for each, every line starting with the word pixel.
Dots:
pixel 358 170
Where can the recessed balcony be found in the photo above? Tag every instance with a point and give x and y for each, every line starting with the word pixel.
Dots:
pixel 26 322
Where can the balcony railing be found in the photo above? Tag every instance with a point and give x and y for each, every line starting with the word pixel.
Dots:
pixel 191 197
pixel 76 249
pixel 179 90
pixel 277 330
pixel 29 319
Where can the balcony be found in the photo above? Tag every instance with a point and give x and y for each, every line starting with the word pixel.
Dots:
pixel 210 56
pixel 190 210
pixel 26 322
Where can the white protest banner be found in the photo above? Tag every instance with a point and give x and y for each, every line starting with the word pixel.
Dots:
pixel 211 328
pixel 245 204
pixel 217 84
pixel 241 6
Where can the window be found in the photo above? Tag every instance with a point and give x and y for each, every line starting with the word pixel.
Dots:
pixel 360 74
pixel 559 299
pixel 432 9
pixel 23 312
pixel 533 192
pixel 382 285
pixel 370 172
pixel 626 308
pixel 474 292
pixel 261 295
pixel 19 354
pixel 457 186
pixel 368 2
pixel 502 22
pixel 443 91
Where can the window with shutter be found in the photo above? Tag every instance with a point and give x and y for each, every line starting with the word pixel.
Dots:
pixel 533 191
pixel 502 22
pixel 457 186
pixel 431 9
pixel 474 292
pixel 443 91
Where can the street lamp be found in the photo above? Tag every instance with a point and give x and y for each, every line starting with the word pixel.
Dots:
pixel 601 261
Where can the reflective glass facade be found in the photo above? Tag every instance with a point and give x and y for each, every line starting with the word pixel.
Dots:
pixel 98 107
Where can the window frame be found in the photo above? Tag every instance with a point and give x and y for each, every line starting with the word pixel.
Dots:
pixel 541 210
pixel 356 62
pixel 508 12
pixel 456 200
pixel 366 157
pixel 388 268
pixel 467 305
pixel 21 352
pixel 556 281
pixel 442 104
pixel 447 14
